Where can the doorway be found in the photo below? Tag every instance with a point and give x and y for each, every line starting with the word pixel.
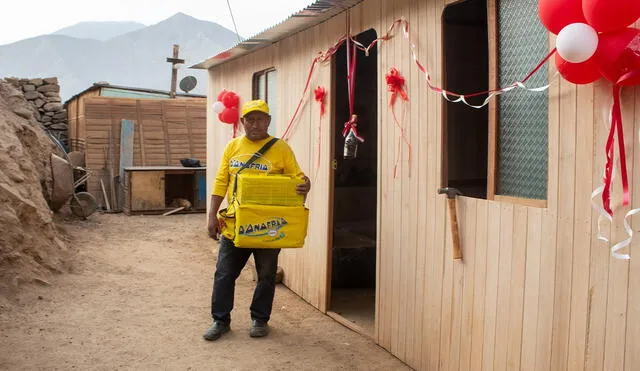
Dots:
pixel 466 69
pixel 355 201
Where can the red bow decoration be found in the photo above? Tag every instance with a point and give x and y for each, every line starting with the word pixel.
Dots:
pixel 321 95
pixel 352 125
pixel 395 82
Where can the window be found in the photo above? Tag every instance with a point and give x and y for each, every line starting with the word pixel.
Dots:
pixel 501 150
pixel 265 87
pixel 522 130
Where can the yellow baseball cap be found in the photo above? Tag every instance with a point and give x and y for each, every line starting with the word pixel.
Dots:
pixel 255 105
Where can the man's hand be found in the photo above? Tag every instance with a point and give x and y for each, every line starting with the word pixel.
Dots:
pixel 303 189
pixel 215 227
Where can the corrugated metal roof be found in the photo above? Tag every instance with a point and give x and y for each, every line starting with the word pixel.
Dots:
pixel 112 91
pixel 128 93
pixel 316 13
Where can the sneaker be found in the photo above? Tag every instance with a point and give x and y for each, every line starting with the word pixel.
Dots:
pixel 216 330
pixel 258 329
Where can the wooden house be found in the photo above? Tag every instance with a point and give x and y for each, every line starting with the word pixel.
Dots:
pixel 536 289
pixel 164 131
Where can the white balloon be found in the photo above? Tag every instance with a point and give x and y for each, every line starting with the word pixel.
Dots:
pixel 218 107
pixel 577 42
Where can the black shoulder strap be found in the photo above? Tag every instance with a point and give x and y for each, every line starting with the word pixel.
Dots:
pixel 253 158
pixel 258 154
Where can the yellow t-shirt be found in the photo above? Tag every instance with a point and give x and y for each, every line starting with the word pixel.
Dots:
pixel 279 159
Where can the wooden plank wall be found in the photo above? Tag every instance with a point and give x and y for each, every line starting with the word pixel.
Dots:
pixel 166 131
pixel 75 115
pixel 537 290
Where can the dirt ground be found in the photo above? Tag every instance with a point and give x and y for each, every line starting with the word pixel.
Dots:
pixel 138 298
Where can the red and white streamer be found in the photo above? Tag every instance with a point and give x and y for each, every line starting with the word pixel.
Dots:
pixel 602 215
pixel 451 96
pixel 323 57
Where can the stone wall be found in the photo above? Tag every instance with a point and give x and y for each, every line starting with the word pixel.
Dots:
pixel 43 95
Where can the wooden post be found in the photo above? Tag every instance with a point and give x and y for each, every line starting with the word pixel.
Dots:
pixel 139 125
pixel 112 185
pixel 126 155
pixel 174 69
pixel 104 194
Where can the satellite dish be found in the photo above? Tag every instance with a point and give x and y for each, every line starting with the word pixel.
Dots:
pixel 188 83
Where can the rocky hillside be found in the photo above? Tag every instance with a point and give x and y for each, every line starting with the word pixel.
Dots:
pixel 30 245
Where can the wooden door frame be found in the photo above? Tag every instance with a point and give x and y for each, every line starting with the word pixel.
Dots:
pixel 331 202
pixel 331 194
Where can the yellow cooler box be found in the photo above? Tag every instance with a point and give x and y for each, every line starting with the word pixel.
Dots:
pixel 269 226
pixel 269 190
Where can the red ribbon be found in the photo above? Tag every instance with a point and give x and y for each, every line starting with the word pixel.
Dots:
pixel 404 24
pixel 321 57
pixel 321 94
pixel 235 129
pixel 616 127
pixel 351 73
pixel 395 82
pixel 352 125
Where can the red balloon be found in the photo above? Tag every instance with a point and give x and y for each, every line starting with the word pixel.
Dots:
pixel 230 99
pixel 610 15
pixel 556 14
pixel 222 94
pixel 615 56
pixel 578 73
pixel 229 116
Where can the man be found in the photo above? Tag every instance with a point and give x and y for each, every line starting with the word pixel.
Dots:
pixel 279 159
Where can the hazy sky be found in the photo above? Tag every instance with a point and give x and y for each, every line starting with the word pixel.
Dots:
pixel 23 19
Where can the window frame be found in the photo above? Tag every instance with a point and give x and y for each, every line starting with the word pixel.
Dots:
pixel 255 93
pixel 494 132
pixel 255 83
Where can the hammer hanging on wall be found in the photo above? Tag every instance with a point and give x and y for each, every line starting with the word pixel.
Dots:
pixel 453 219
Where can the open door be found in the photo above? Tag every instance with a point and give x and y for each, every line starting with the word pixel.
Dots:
pixel 466 69
pixel 353 249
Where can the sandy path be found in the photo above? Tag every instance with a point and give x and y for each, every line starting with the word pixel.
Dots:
pixel 138 298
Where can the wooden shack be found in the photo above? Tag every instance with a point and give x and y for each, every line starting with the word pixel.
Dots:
pixel 536 288
pixel 76 108
pixel 164 131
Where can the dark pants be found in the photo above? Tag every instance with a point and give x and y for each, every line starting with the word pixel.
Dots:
pixel 231 260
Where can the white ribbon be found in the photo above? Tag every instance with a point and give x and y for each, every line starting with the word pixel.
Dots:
pixel 446 94
pixel 602 214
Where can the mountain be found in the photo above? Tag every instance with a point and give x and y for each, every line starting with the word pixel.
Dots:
pixel 136 58
pixel 102 31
